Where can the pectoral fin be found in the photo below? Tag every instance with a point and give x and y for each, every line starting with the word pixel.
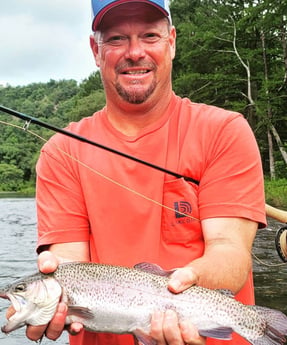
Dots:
pixel 84 313
pixel 143 338
pixel 217 333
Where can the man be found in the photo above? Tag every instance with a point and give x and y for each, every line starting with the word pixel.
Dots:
pixel 96 206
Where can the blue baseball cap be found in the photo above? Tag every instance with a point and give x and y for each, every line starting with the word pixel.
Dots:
pixel 101 7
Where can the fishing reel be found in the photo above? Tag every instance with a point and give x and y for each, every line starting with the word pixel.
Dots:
pixel 281 243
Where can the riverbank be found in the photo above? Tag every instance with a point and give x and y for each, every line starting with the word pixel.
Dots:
pixel 275 193
pixel 20 194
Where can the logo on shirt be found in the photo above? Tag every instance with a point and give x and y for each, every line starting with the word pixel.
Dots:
pixel 182 209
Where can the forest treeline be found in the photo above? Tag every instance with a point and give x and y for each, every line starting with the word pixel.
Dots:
pixel 231 54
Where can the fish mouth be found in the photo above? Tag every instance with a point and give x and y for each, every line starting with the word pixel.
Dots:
pixel 17 301
pixel 15 320
pixel 3 295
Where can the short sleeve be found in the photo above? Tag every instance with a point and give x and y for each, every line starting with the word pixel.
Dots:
pixel 61 211
pixel 232 184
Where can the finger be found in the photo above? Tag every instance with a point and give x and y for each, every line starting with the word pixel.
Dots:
pixel 156 331
pixel 75 328
pixel 35 333
pixel 47 262
pixel 190 334
pixel 10 311
pixel 182 279
pixel 53 330
pixel 57 324
pixel 171 330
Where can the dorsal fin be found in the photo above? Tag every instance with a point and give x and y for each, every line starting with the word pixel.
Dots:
pixel 226 293
pixel 153 268
pixel 82 312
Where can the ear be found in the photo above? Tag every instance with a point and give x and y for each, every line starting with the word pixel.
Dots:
pixel 172 41
pixel 95 49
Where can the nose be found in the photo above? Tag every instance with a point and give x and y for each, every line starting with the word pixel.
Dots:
pixel 135 49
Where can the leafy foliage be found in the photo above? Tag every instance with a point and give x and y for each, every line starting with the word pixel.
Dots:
pixel 55 102
pixel 217 42
pixel 10 177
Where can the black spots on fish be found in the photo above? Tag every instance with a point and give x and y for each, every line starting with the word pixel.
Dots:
pixel 125 294
pixel 275 326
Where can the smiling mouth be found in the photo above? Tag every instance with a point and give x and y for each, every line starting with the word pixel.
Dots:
pixel 135 72
pixel 135 68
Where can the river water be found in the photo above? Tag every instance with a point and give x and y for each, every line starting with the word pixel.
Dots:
pixel 18 258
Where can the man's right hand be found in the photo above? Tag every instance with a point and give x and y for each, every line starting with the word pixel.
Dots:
pixel 48 263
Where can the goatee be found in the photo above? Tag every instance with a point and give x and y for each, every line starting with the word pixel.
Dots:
pixel 134 95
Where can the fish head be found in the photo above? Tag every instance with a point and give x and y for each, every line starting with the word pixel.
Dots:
pixel 34 298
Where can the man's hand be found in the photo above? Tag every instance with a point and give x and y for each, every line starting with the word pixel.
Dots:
pixel 182 279
pixel 165 327
pixel 48 263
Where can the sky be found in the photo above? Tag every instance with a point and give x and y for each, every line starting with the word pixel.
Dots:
pixel 44 39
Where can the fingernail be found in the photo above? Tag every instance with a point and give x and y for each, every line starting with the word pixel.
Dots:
pixel 62 308
pixel 76 327
pixel 175 284
pixel 45 265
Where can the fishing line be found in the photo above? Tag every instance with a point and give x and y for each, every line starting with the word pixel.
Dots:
pixel 30 119
pixel 25 128
pixel 265 264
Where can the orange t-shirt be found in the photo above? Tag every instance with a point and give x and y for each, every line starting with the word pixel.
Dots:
pixel 85 193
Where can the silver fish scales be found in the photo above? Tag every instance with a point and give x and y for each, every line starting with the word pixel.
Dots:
pixel 121 300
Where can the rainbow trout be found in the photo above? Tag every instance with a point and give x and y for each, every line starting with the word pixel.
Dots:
pixel 121 300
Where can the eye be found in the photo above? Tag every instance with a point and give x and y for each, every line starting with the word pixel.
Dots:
pixel 151 37
pixel 116 40
pixel 20 287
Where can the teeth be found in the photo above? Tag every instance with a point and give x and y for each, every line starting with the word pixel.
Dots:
pixel 137 72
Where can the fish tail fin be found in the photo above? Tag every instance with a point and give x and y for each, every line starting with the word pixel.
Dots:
pixel 276 327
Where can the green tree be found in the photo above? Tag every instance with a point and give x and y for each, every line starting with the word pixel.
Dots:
pixel 229 53
pixel 233 54
pixel 11 178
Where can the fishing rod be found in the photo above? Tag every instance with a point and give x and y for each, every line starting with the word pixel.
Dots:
pixel 277 214
pixel 281 234
pixel 272 212
pixel 29 119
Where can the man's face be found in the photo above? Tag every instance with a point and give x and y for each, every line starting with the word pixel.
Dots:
pixel 134 50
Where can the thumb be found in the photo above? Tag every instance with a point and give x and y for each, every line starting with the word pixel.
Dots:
pixel 47 262
pixel 182 279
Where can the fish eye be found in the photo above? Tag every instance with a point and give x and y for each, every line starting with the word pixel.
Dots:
pixel 20 287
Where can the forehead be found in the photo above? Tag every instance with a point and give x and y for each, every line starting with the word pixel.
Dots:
pixel 133 12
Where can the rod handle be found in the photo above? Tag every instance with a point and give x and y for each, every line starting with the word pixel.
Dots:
pixel 276 213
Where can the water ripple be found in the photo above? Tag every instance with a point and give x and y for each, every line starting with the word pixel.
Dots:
pixel 18 258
